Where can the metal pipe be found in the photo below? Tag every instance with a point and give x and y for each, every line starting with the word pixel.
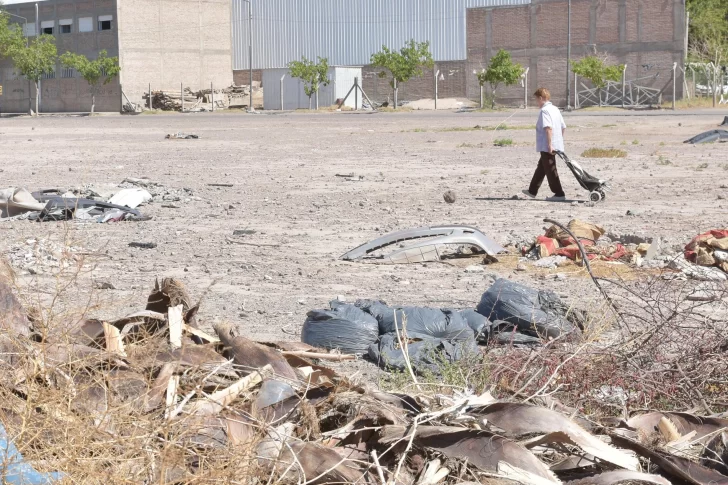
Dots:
pixel 37 34
pixel 568 57
pixel 251 108
pixel 674 72
pixel 281 93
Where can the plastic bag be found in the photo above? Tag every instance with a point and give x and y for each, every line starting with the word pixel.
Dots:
pixel 421 322
pixel 427 355
pixel 475 321
pixel 538 313
pixel 344 327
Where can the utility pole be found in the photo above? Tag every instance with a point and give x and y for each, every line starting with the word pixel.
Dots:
pixel 251 109
pixel 568 57
pixel 37 34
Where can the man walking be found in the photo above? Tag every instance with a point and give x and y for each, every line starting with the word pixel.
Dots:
pixel 550 130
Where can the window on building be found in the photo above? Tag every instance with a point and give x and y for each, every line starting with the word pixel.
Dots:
pixel 105 22
pixel 65 26
pixel 46 27
pixel 48 75
pixel 86 24
pixel 67 72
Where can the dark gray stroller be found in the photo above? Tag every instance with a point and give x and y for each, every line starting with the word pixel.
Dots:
pixel 596 187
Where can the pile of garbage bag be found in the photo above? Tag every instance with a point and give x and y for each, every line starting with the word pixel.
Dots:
pixel 509 314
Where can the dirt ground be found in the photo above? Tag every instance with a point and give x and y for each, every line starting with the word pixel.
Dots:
pixel 283 169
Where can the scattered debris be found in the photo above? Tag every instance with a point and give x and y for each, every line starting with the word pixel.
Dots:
pixel 131 198
pixel 709 137
pixel 243 232
pixel 221 185
pixel 709 249
pixel 449 197
pixel 181 136
pixel 16 471
pixel 143 245
pixel 557 242
pixel 156 370
pixel 425 245
pixel 56 205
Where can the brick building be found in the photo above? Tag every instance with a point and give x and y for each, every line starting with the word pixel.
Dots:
pixel 646 35
pixel 159 42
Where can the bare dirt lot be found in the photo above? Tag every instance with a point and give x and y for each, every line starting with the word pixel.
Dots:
pixel 283 171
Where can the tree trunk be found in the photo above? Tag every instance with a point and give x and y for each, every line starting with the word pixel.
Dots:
pixel 309 101
pixel 492 98
pixel 37 96
pixel 93 102
pixel 317 104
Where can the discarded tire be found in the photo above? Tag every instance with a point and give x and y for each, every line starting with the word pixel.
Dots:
pixel 344 327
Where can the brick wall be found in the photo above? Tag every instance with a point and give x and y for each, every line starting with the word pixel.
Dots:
pixel 647 35
pixel 453 85
pixel 511 28
pixel 242 77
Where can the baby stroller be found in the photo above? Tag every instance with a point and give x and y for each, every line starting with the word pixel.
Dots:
pixel 596 187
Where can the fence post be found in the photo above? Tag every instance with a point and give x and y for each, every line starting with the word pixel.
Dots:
pixel 624 83
pixel 576 92
pixel 525 89
pixel 436 75
pixel 281 93
pixel 182 99
pixel 674 72
pixel 356 94
pixel 150 95
pixel 212 98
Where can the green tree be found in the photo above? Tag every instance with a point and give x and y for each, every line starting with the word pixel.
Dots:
pixel 597 71
pixel 312 74
pixel 403 65
pixel 36 58
pixel 501 70
pixel 708 36
pixel 11 36
pixel 93 71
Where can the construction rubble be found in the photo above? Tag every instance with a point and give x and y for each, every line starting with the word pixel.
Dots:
pixel 173 403
pixel 202 100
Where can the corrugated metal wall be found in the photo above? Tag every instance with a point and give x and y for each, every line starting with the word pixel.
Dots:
pixel 348 32
pixel 342 79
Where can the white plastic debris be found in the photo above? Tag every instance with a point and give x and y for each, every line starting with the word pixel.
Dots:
pixel 131 198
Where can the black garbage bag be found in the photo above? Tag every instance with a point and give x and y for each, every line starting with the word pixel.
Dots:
pixel 475 321
pixel 422 322
pixel 344 327
pixel 538 313
pixel 504 333
pixel 426 355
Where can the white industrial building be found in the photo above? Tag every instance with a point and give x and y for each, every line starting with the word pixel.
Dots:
pixel 348 32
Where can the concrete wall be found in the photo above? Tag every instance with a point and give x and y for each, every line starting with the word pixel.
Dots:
pixel 64 94
pixel 168 42
pixel 647 35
